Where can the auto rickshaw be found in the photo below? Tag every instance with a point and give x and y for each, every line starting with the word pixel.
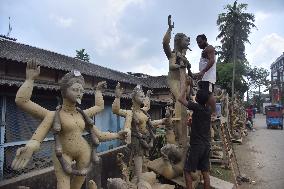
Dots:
pixel 274 116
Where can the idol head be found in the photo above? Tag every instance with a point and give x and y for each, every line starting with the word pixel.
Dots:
pixel 72 86
pixel 181 41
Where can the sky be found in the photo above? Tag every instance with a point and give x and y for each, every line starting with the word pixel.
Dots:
pixel 126 35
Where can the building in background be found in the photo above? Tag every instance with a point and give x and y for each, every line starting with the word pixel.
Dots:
pixel 17 126
pixel 277 80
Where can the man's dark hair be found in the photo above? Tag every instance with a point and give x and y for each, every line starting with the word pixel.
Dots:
pixel 202 97
pixel 202 36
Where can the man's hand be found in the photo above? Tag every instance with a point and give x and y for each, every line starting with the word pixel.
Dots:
pixel 199 75
pixel 118 91
pixel 32 70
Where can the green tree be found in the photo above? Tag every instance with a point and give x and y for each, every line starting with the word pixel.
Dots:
pixel 82 55
pixel 225 76
pixel 235 26
pixel 257 77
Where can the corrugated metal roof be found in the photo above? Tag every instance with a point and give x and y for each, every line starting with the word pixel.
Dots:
pixel 45 86
pixel 22 53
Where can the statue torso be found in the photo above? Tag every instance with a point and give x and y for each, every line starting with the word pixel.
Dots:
pixel 140 120
pixel 175 74
pixel 73 126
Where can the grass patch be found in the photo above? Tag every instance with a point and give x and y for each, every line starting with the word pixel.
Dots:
pixel 221 173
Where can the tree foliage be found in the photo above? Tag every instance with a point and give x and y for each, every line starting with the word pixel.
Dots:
pixel 225 76
pixel 82 55
pixel 235 26
pixel 257 77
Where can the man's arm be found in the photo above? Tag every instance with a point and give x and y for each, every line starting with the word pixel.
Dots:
pixel 189 104
pixel 182 98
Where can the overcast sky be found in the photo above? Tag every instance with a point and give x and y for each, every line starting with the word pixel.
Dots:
pixel 126 35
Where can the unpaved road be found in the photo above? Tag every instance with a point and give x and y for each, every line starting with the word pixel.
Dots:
pixel 261 156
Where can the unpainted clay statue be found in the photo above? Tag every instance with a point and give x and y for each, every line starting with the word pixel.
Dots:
pixel 219 94
pixel 138 125
pixel 170 126
pixel 123 167
pixel 178 64
pixel 225 106
pixel 68 123
pixel 172 154
pixel 117 183
pixel 177 141
pixel 172 161
pixel 237 118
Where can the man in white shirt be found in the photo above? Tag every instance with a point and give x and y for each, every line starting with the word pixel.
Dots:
pixel 207 67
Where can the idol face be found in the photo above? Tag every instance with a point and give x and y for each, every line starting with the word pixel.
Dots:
pixel 74 93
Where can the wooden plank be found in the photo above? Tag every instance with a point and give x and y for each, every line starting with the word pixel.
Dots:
pixel 239 141
pixel 216 160
pixel 216 142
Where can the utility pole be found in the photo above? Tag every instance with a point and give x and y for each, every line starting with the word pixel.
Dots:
pixel 235 15
pixel 9 28
pixel 234 65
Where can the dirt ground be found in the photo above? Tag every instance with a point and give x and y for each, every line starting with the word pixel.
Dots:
pixel 261 156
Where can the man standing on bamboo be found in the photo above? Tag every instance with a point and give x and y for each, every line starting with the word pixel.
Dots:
pixel 207 68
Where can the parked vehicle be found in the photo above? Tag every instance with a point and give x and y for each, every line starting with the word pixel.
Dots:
pixel 264 105
pixel 274 116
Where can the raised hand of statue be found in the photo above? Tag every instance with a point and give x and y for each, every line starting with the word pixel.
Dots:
pixel 168 116
pixel 171 26
pixel 122 135
pixel 168 112
pixel 92 185
pixel 32 70
pixel 149 92
pixel 101 85
pixel 118 91
pixel 24 154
